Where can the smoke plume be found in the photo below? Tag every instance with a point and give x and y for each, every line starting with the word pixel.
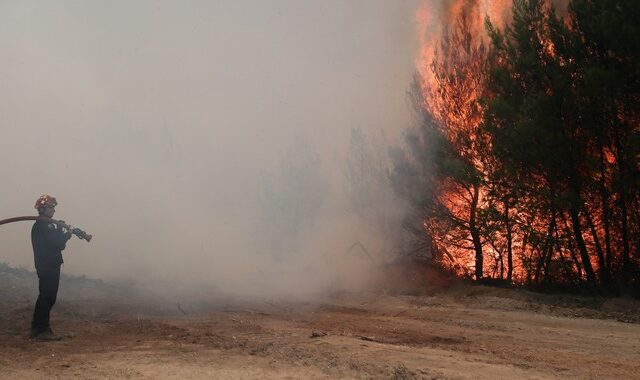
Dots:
pixel 204 144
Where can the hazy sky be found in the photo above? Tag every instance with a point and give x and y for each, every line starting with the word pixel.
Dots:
pixel 154 123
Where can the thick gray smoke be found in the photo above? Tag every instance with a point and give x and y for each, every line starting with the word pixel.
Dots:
pixel 205 142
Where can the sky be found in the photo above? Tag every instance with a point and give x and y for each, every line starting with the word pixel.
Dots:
pixel 200 142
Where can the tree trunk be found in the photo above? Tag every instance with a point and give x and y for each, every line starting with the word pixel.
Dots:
pixel 622 202
pixel 475 233
pixel 569 269
pixel 626 262
pixel 509 242
pixel 604 194
pixel 547 248
pixel 570 246
pixel 601 263
pixel 582 247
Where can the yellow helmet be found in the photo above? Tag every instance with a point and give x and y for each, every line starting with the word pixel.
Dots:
pixel 45 200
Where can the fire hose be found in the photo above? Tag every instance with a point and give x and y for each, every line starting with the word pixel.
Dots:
pixel 76 231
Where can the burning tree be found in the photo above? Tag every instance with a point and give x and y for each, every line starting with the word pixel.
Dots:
pixel 607 50
pixel 454 185
pixel 535 145
pixel 549 121
pixel 459 69
pixel 531 116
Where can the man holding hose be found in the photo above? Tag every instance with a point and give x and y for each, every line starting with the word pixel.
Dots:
pixel 49 240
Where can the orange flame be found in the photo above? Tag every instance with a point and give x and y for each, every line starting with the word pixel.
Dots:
pixel 434 16
pixel 460 111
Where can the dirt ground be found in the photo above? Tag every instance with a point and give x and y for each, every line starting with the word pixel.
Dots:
pixel 454 333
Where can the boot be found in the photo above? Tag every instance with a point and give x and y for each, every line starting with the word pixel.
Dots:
pixel 47 336
pixel 34 333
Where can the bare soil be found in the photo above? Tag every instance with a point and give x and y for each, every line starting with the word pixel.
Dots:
pixel 454 333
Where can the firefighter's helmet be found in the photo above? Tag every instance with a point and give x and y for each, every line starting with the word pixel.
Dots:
pixel 45 200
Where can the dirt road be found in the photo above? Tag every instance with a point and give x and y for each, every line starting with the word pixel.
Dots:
pixel 457 335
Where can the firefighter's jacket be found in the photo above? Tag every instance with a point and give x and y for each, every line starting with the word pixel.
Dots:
pixel 48 240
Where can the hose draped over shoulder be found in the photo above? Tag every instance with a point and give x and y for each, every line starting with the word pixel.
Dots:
pixel 76 231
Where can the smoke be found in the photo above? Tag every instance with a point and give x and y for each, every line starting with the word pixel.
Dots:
pixel 202 143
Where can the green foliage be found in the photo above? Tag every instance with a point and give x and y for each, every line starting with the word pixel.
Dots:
pixel 562 113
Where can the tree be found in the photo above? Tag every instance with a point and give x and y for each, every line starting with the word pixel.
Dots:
pixel 563 113
pixel 533 124
pixel 443 173
pixel 459 70
pixel 607 49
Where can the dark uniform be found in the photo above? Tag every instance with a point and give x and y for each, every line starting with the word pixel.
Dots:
pixel 48 241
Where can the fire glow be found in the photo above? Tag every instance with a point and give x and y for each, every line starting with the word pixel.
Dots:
pixel 456 105
pixel 433 17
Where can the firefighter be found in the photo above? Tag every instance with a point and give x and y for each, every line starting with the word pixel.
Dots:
pixel 48 240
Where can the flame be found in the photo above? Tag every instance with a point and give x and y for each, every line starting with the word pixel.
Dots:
pixel 455 105
pixel 434 16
